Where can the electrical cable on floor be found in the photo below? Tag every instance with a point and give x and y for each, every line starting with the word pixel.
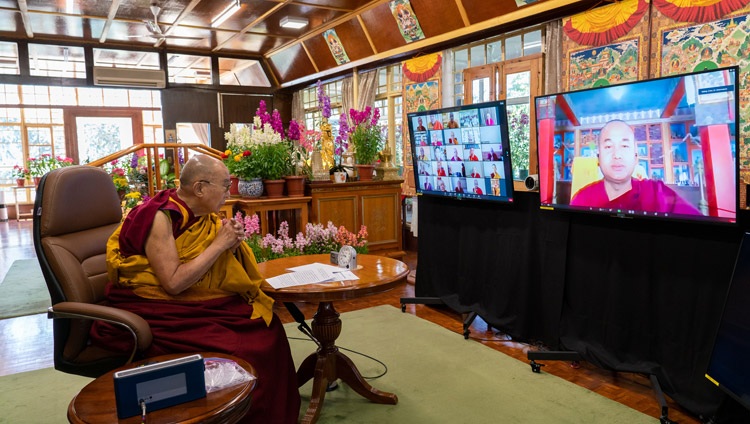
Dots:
pixel 385 367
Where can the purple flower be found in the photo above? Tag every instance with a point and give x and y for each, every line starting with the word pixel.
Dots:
pixel 134 161
pixel 293 133
pixel 276 123
pixel 324 102
pixel 375 117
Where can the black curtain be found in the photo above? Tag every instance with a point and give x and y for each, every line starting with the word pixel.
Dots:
pixel 631 295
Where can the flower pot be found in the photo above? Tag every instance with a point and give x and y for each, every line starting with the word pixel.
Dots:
pixel 37 180
pixel 250 188
pixel 234 189
pixel 339 177
pixel 274 188
pixel 295 186
pixel 365 172
pixel 20 182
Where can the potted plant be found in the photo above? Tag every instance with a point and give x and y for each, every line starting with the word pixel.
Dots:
pixel 366 138
pixel 272 153
pixel 43 164
pixel 21 174
pixel 239 160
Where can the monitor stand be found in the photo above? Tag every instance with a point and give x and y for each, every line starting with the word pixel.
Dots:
pixel 575 357
pixel 437 301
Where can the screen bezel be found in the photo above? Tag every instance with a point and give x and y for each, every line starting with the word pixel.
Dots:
pixel 505 184
pixel 550 203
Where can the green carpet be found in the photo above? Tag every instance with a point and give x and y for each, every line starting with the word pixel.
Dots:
pixel 23 291
pixel 438 376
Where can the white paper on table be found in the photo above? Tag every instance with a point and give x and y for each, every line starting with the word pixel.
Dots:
pixel 300 278
pixel 344 275
pixel 316 266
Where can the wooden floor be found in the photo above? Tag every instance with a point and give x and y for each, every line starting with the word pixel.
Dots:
pixel 26 342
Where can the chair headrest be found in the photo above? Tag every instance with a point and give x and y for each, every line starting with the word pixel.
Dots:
pixel 76 198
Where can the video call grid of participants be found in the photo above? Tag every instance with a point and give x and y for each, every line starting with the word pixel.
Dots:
pixel 464 146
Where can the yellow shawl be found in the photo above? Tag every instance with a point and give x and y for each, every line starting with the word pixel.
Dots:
pixel 230 273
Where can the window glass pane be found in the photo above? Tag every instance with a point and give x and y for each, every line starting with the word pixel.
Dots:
pixel 382 81
pixel 189 69
pixel 11 151
pixel 56 116
pixel 495 52
pixel 9 58
pixel 126 59
pixel 460 60
pixel 518 84
pixel 9 94
pixel 89 96
pixel 117 97
pixel 34 95
pixel 532 42
pixel 58 135
pixel 518 135
pixel 10 115
pixel 62 95
pixel 480 90
pixel 477 55
pixel 46 60
pixel 396 78
pixel 513 47
pixel 242 72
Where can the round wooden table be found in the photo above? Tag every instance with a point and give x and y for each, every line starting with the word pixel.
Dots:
pixel 95 403
pixel 377 274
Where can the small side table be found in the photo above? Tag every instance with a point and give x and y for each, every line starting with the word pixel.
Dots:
pixel 29 201
pixel 95 403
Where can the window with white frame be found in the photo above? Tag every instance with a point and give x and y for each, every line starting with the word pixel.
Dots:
pixel 492 50
pixel 388 99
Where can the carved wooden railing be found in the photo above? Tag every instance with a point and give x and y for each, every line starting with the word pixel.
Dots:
pixel 153 153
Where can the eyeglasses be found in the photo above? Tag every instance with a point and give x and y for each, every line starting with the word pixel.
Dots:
pixel 226 187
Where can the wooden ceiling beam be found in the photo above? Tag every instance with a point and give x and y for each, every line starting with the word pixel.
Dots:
pixel 367 33
pixel 110 17
pixel 419 46
pixel 247 27
pixel 24 8
pixel 185 12
pixel 462 12
pixel 326 27
pixel 310 56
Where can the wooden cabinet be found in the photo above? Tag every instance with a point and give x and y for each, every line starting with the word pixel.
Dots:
pixel 375 204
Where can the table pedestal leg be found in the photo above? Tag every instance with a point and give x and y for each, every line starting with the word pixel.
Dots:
pixel 328 364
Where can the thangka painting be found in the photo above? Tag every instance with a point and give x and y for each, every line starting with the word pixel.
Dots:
pixel 686 47
pixel 406 20
pixel 605 46
pixel 334 44
pixel 421 92
pixel 422 96
pixel 601 66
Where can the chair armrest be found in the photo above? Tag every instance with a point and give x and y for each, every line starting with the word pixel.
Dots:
pixel 137 326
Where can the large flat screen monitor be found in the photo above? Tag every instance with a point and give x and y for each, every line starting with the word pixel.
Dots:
pixel 728 367
pixel 462 152
pixel 660 148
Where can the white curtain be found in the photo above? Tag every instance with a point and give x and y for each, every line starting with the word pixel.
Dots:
pixel 298 109
pixel 347 95
pixel 201 131
pixel 368 85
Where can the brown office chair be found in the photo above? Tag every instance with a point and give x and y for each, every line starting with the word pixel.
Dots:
pixel 76 210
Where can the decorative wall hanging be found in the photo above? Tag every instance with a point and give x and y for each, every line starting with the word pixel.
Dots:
pixel 421 92
pixel 612 64
pixel 337 49
pixel 422 68
pixel 684 47
pixel 603 25
pixel 406 20
pixel 698 10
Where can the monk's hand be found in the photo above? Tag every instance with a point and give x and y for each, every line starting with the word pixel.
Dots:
pixel 233 231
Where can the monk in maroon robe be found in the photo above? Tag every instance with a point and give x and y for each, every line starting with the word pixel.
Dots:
pixel 618 189
pixel 194 280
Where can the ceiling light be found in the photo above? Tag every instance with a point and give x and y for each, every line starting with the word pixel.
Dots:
pixel 226 13
pixel 295 23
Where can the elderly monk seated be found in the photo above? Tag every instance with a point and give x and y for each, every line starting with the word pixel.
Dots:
pixel 187 272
